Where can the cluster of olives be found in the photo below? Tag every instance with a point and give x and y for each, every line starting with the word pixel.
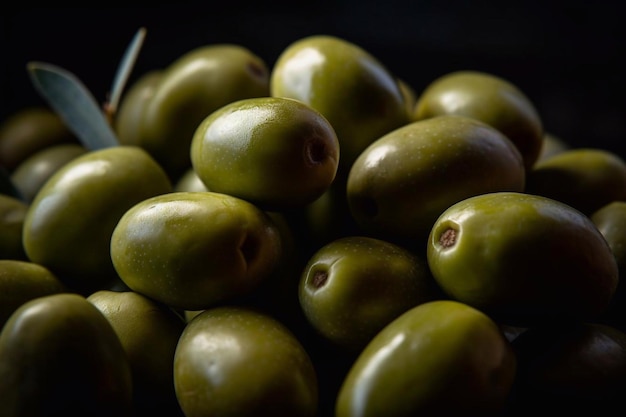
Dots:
pixel 314 238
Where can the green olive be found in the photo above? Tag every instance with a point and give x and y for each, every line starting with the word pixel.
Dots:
pixel 192 250
pixel 403 181
pixel 176 99
pixel 29 130
pixel 522 258
pixel 30 175
pixel 354 90
pixel 439 358
pixel 570 367
pixel 235 361
pixel 149 332
pixel 12 215
pixel 354 286
pixel 584 178
pixel 59 356
pixel 69 224
pixel 552 145
pixel 190 181
pixel 22 281
pixel 274 152
pixel 488 98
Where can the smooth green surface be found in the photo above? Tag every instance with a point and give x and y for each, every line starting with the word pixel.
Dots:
pixel 12 215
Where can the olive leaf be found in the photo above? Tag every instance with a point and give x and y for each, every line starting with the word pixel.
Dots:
pixel 74 103
pixel 124 70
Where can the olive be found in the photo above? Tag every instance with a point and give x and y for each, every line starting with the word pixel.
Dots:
pixel 192 250
pixel 274 152
pixel 488 98
pixel 353 89
pixel 584 178
pixel 568 367
pixel 69 224
pixel 403 181
pixel 552 145
pixel 354 286
pixel 149 332
pixel 410 97
pixel 237 361
pixel 28 130
pixel 22 281
pixel 181 95
pixel 522 258
pixel 190 181
pixel 59 356
pixel 439 358
pixel 12 215
pixel 30 175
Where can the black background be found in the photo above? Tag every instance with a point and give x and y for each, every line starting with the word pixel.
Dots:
pixel 566 56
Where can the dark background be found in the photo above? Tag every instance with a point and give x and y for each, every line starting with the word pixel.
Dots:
pixel 566 56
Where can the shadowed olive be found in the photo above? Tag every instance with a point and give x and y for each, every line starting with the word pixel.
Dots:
pixel 234 361
pixel 29 130
pixel 59 356
pixel 183 94
pixel 522 258
pixel 354 286
pixel 274 152
pixel 438 358
pixel 551 146
pixel 149 332
pixel 404 180
pixel 190 181
pixel 69 224
pixel 584 178
pixel 12 215
pixel 192 250
pixel 490 99
pixel 34 171
pixel 22 281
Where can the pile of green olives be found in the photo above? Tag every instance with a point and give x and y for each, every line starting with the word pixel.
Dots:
pixel 310 238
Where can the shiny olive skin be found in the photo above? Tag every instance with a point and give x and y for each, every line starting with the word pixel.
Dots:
pixel 274 152
pixel 69 224
pixel 187 91
pixel 584 178
pixel 59 356
pixel 235 361
pixel 354 286
pixel 30 175
pixel 190 181
pixel 12 215
pixel 488 98
pixel 522 258
pixel 22 281
pixel 29 130
pixel 569 367
pixel 404 180
pixel 192 250
pixel 439 358
pixel 353 89
pixel 149 332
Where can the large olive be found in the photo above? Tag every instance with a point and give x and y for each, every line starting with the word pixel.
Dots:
pixel 235 361
pixel 22 281
pixel 584 178
pixel 440 358
pixel 358 95
pixel 12 215
pixel 149 332
pixel 274 152
pixel 29 130
pixel 69 224
pixel 30 175
pixel 192 250
pixel 354 286
pixel 522 258
pixel 59 356
pixel 403 181
pixel 183 94
pixel 488 98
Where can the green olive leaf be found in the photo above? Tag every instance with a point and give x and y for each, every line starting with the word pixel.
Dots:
pixel 124 70
pixel 74 103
